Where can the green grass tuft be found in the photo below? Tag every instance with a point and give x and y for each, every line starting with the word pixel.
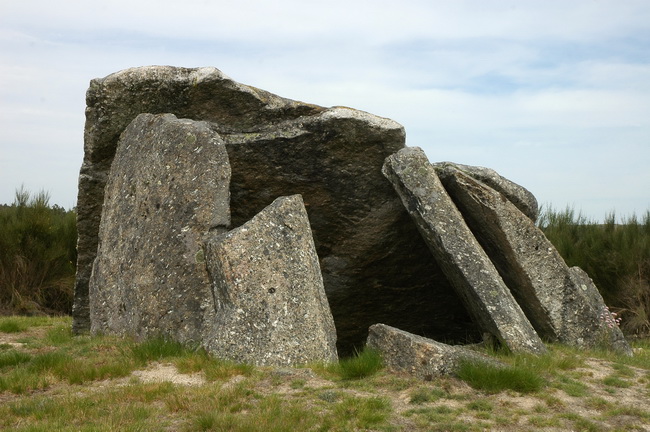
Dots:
pixel 9 325
pixel 13 358
pixel 494 379
pixel 156 349
pixel 366 363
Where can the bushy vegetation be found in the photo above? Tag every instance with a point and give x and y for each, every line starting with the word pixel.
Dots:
pixel 37 255
pixel 616 257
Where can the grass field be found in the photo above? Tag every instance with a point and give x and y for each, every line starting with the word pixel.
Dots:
pixel 50 380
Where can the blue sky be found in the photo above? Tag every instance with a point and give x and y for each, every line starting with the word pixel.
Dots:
pixel 554 95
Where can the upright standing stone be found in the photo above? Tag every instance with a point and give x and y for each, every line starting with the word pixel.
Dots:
pixel 457 251
pixel 271 305
pixel 562 304
pixel 168 187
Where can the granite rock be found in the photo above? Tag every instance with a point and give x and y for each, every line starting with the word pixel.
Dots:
pixel 521 197
pixel 419 356
pixel 459 254
pixel 270 301
pixel 168 187
pixel 563 304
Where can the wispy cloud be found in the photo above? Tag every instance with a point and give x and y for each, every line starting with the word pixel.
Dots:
pixel 548 92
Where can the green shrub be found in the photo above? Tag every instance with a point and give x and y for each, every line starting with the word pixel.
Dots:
pixel 37 255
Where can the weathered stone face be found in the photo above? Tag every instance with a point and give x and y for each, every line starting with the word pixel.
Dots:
pixel 270 300
pixel 376 267
pixel 454 247
pixel 114 101
pixel 168 187
pixel 559 308
pixel 518 195
pixel 419 356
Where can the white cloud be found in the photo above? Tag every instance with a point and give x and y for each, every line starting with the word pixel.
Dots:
pixel 523 87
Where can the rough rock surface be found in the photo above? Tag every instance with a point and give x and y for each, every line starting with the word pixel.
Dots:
pixel 597 327
pixel 461 257
pixel 521 197
pixel 376 267
pixel 268 289
pixel 114 101
pixel 562 304
pixel 418 356
pixel 168 187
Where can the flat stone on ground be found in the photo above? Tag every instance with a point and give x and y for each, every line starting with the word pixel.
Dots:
pixel 421 357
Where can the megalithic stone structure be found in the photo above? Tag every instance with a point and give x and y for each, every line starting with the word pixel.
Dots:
pixel 375 265
pixel 459 254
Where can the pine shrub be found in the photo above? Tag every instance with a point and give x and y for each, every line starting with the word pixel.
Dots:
pixel 37 255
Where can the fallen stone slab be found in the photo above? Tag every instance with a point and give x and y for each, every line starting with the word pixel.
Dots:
pixel 563 304
pixel 458 253
pixel 268 289
pixel 521 197
pixel 421 357
pixel 168 187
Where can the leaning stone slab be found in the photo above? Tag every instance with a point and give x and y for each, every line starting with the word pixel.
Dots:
pixel 597 326
pixel 521 197
pixel 563 304
pixel 421 357
pixel 459 254
pixel 169 185
pixel 271 305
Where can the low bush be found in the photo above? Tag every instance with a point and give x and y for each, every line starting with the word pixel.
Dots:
pixel 37 255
